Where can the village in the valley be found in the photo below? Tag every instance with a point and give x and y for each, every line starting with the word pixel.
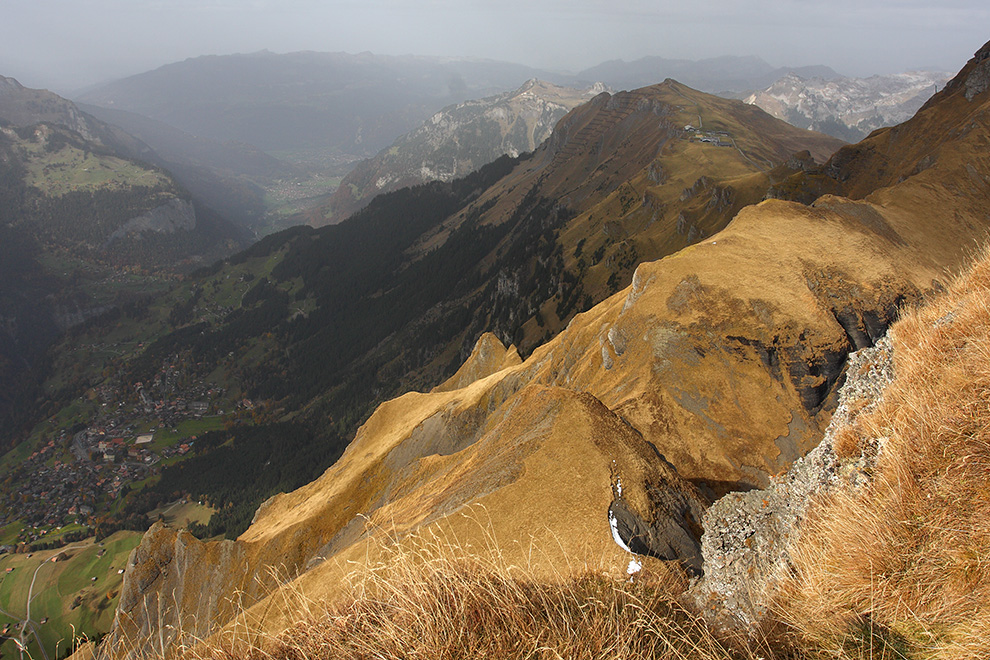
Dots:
pixel 79 470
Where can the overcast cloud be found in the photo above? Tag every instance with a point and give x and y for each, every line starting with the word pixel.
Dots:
pixel 69 44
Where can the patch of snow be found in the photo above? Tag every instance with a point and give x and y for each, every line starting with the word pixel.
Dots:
pixel 618 486
pixel 634 567
pixel 614 524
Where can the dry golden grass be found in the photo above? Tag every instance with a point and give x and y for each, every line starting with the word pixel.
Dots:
pixel 902 569
pixel 430 603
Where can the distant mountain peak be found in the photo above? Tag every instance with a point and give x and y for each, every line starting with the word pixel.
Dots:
pixel 9 85
pixel 457 140
pixel 848 108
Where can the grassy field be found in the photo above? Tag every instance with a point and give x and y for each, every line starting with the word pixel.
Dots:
pixel 185 430
pixel 180 513
pixel 71 168
pixel 64 592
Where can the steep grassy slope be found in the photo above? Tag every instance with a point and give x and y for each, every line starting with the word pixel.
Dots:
pixel 898 563
pixel 715 369
pixel 562 230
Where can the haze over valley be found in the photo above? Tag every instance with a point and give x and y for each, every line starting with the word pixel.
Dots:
pixel 627 331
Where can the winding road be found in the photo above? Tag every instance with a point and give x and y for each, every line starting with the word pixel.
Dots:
pixel 22 642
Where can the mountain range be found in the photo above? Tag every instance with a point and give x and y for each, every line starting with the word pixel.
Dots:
pixel 566 358
pixel 717 367
pixel 268 139
pixel 716 75
pixel 355 104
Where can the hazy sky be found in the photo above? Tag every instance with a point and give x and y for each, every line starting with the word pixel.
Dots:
pixel 68 44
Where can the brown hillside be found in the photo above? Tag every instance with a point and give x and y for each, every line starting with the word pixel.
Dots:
pixel 940 141
pixel 716 368
pixel 891 556
pixel 633 185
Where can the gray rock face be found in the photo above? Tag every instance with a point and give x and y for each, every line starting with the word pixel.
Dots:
pixel 978 80
pixel 175 591
pixel 747 535
pixel 673 532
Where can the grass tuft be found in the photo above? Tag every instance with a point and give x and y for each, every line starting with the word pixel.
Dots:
pixel 431 603
pixel 901 569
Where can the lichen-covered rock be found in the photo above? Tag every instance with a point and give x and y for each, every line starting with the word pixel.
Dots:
pixel 747 535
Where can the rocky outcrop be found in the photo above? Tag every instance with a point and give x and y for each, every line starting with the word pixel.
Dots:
pixel 175 587
pixel 674 530
pixel 747 536
pixel 978 80
pixel 488 357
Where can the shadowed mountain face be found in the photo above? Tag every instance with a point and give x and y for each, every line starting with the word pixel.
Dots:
pixel 715 368
pixel 77 207
pixel 61 161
